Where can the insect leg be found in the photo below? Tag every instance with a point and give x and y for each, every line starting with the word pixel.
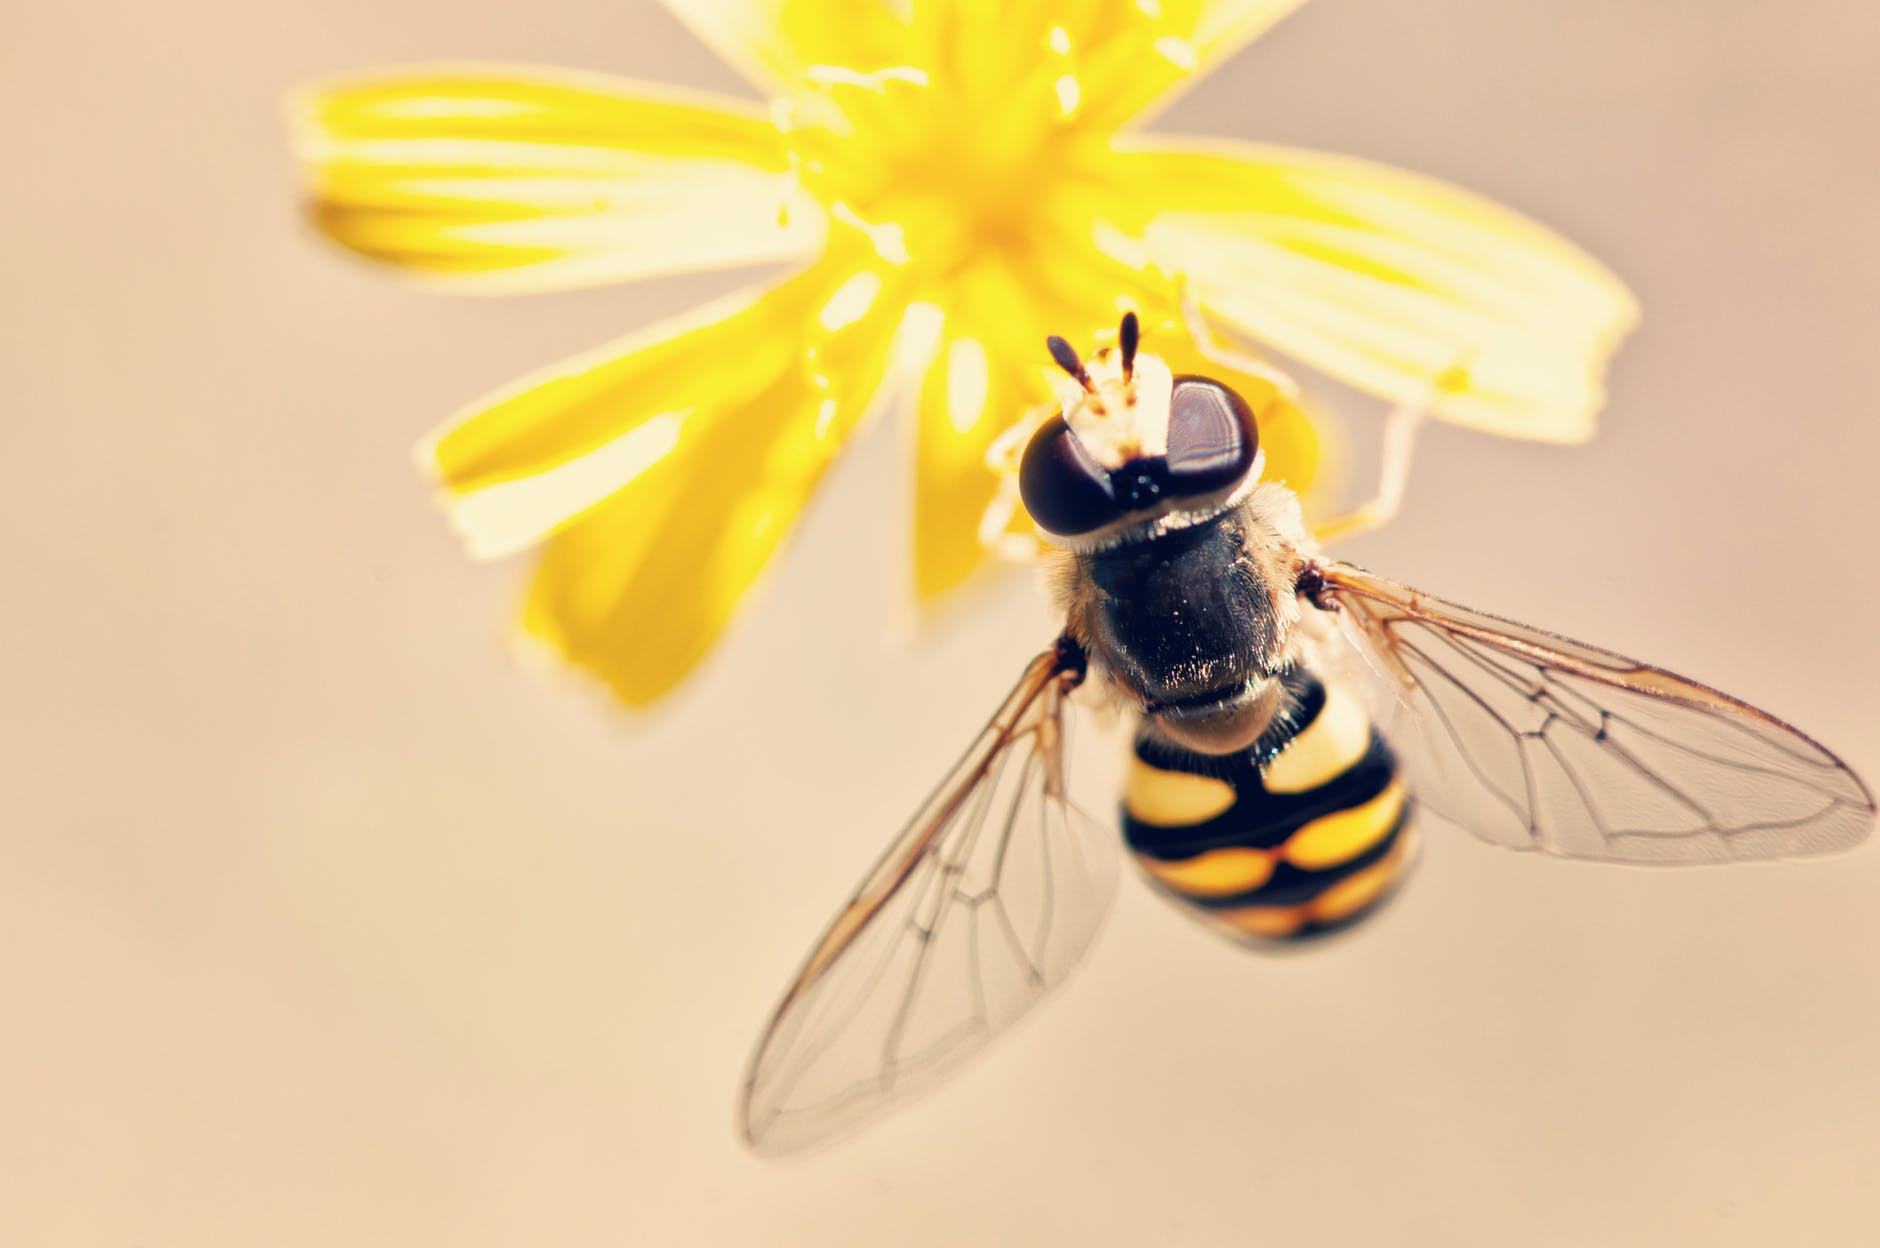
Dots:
pixel 1399 440
pixel 1217 352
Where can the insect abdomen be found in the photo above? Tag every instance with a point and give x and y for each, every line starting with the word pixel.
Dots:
pixel 1303 833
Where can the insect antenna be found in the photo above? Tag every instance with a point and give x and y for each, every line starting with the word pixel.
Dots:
pixel 1067 359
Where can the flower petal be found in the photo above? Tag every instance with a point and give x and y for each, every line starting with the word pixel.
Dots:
pixel 782 45
pixel 583 409
pixel 1408 287
pixel 989 371
pixel 720 434
pixel 978 386
pixel 1168 43
pixel 519 464
pixel 534 179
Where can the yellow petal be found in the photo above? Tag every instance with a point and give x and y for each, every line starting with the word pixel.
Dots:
pixel 977 387
pixel 1405 286
pixel 534 179
pixel 782 45
pixel 639 579
pixel 585 408
pixel 1143 53
pixel 521 463
pixel 990 370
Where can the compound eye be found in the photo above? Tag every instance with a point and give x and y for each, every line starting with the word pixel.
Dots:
pixel 1065 490
pixel 1212 437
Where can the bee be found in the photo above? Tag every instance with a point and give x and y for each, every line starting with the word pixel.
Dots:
pixel 1264 796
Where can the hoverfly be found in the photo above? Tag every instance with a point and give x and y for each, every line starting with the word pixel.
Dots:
pixel 1262 798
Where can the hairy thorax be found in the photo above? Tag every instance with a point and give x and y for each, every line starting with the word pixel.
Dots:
pixel 1193 624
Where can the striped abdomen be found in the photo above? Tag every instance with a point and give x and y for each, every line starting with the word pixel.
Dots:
pixel 1303 833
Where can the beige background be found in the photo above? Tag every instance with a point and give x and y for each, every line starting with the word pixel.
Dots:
pixel 322 922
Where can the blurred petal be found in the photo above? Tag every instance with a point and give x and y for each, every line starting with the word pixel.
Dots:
pixel 1176 42
pixel 989 371
pixel 544 179
pixel 783 45
pixel 1046 66
pixel 1400 284
pixel 521 463
pixel 978 386
pixel 668 477
pixel 578 409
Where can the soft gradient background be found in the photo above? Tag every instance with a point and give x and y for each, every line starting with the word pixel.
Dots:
pixel 323 922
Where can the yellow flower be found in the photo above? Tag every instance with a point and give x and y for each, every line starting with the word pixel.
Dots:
pixel 950 181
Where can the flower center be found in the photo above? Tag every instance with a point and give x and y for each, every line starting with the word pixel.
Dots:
pixel 929 175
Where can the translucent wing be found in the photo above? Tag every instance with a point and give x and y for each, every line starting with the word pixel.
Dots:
pixel 980 907
pixel 1532 741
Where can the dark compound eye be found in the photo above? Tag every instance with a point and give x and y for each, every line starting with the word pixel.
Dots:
pixel 1212 437
pixel 1066 491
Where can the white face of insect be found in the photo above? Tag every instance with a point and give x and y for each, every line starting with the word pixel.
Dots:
pixel 1120 420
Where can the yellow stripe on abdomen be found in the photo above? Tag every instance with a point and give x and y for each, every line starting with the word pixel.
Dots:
pixel 1360 890
pixel 1346 899
pixel 1324 842
pixel 1217 873
pixel 1343 835
pixel 1173 799
pixel 1335 740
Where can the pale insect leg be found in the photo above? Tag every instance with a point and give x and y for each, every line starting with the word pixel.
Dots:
pixel 1399 441
pixel 1399 434
pixel 1218 352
